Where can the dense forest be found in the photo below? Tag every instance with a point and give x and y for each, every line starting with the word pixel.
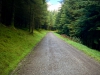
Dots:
pixel 24 14
pixel 23 23
pixel 80 19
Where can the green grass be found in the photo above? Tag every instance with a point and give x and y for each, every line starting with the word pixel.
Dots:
pixel 15 44
pixel 91 52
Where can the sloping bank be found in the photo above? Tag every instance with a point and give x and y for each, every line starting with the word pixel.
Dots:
pixel 15 44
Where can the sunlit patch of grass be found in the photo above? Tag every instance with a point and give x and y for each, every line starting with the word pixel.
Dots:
pixel 15 44
pixel 91 52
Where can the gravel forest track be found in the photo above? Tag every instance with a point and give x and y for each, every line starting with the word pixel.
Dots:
pixel 52 56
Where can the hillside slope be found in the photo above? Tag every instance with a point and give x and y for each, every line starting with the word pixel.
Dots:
pixel 15 44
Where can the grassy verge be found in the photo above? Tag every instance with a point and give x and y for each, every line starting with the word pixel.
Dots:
pixel 15 44
pixel 91 52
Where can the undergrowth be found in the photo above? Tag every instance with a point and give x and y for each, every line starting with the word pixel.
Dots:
pixel 15 44
pixel 91 52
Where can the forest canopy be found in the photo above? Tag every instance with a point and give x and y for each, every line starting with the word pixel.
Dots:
pixel 80 19
pixel 24 14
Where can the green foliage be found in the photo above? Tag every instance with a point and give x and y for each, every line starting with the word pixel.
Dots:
pixel 91 52
pixel 15 44
pixel 79 18
pixel 51 20
pixel 30 14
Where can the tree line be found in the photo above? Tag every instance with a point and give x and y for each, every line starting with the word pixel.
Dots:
pixel 80 19
pixel 24 14
pixel 76 18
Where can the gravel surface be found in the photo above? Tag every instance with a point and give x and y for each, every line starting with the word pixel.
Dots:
pixel 53 56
